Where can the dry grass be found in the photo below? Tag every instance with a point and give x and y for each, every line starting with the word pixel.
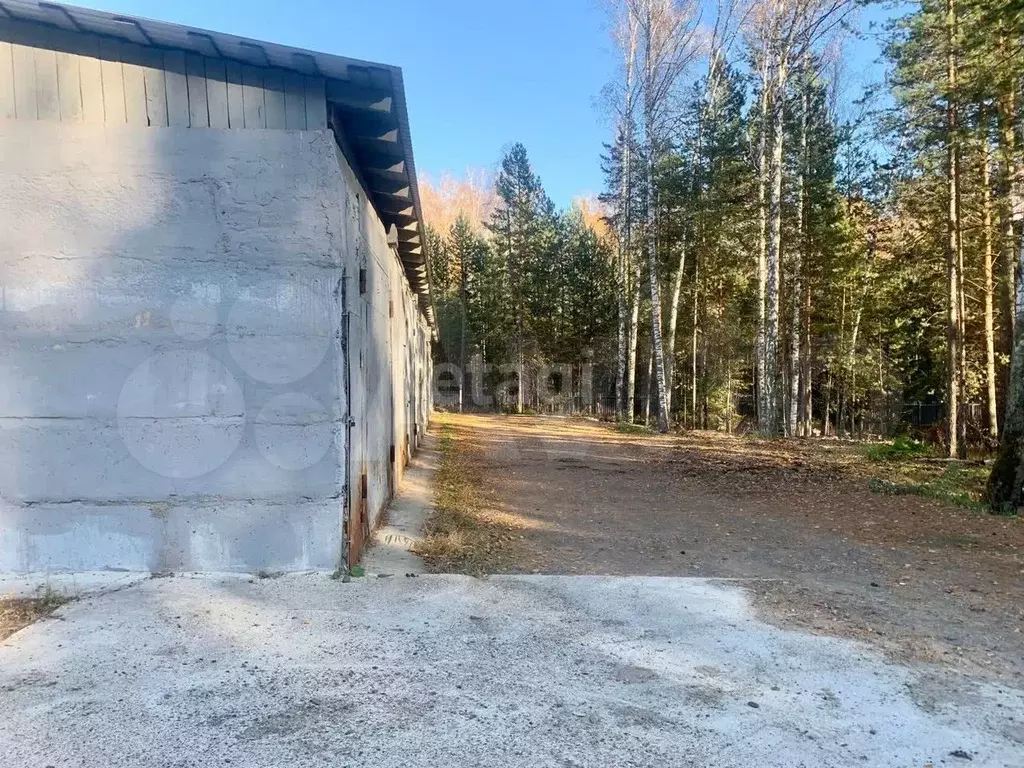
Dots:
pixel 465 533
pixel 18 613
pixel 883 467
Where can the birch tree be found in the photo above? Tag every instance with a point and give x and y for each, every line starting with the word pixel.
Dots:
pixel 780 33
pixel 796 373
pixel 728 16
pixel 624 32
pixel 667 46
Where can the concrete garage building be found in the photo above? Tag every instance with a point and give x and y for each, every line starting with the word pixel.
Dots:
pixel 215 316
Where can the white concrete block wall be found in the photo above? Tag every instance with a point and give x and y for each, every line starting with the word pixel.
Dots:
pixel 171 369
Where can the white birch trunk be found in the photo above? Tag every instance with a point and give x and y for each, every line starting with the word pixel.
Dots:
pixel 796 297
pixel 772 377
pixel 673 323
pixel 634 325
pixel 762 247
pixel 652 269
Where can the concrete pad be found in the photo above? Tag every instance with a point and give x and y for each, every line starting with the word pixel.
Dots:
pixel 394 542
pixel 529 671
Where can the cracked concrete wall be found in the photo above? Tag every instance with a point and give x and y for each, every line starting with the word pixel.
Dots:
pixel 171 384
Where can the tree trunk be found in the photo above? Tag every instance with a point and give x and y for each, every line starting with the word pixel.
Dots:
pixel 1007 243
pixel 806 378
pixel 634 327
pixel 851 368
pixel 795 354
pixel 673 322
pixel 728 398
pixel 626 360
pixel 464 290
pixel 704 389
pixel 962 421
pixel 762 269
pixel 772 378
pixel 647 388
pixel 708 107
pixel 849 396
pixel 841 405
pixel 795 330
pixel 520 389
pixel 626 330
pixel 988 285
pixel 652 232
pixel 620 357
pixel 826 410
pixel 517 289
pixel 693 344
pixel 1006 483
pixel 652 268
pixel 953 326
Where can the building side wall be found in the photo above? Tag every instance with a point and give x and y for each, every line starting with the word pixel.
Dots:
pixel 73 77
pixel 180 312
pixel 424 398
pixel 171 307
pixel 386 357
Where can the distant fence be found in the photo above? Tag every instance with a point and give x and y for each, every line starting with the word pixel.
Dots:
pixel 930 414
pixel 923 414
pixel 580 389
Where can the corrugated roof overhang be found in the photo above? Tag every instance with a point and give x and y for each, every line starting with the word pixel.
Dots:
pixel 368 97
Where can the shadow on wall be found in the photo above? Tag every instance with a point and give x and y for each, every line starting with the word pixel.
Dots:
pixel 170 393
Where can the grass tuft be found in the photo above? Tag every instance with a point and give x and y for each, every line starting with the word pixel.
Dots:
pixel 628 428
pixel 959 484
pixel 900 449
pixel 50 599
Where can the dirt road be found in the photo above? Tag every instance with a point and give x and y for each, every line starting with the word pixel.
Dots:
pixel 922 579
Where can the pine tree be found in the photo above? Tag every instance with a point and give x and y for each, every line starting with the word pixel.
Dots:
pixel 521 228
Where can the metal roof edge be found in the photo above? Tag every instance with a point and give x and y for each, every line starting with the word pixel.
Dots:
pixel 406 133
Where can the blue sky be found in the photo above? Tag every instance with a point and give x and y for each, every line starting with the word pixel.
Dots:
pixel 479 74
